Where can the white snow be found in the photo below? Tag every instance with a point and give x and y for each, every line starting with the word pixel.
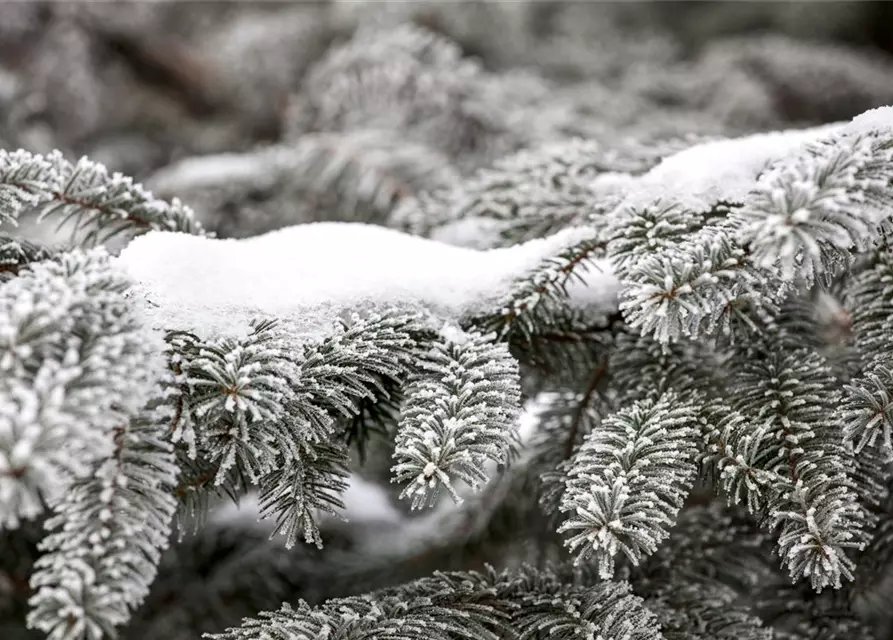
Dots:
pixel 726 170
pixel 366 502
pixel 310 274
pixel 875 119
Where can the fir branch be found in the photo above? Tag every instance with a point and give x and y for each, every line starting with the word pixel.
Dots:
pixel 711 545
pixel 264 410
pixel 704 286
pixel 302 486
pixel 459 412
pixel 443 615
pixel 106 538
pixel 351 364
pixel 484 606
pixel 101 205
pixel 810 212
pixel 415 82
pixel 238 391
pixel 16 253
pixel 536 299
pixel 76 361
pixel 790 393
pixel 691 611
pixel 352 176
pixel 531 194
pixel 636 233
pixel 868 411
pixel 797 613
pixel 643 368
pixel 628 481
pixel 733 456
pixel 870 300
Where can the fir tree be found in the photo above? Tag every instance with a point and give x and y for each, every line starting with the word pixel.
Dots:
pixel 649 398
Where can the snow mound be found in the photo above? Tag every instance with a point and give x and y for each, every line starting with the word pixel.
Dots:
pixel 726 170
pixel 872 120
pixel 720 170
pixel 311 274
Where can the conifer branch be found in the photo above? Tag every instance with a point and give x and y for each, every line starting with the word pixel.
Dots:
pixel 537 298
pixel 16 253
pixel 459 412
pixel 488 606
pixel 76 360
pixel 810 213
pixel 628 481
pixel 100 205
pixel 106 539
pixel 812 502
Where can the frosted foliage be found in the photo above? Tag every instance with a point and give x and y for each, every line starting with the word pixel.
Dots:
pixel 349 176
pixel 76 360
pixel 791 393
pixel 682 317
pixel 736 450
pixel 230 280
pixel 460 411
pixel 871 300
pixel 867 401
pixel 106 538
pixel 16 253
pixel 723 267
pixel 825 202
pixel 527 195
pixel 628 481
pixel 238 389
pixel 337 374
pixel 700 287
pixel 266 406
pixel 413 81
pixel 305 484
pixel 104 204
pixel 566 277
pixel 486 606
pixel 637 233
pixel 869 411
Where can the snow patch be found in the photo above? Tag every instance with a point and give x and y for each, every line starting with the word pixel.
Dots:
pixel 872 120
pixel 367 502
pixel 310 274
pixel 720 170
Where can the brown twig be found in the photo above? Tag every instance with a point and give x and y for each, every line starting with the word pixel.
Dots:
pixel 196 483
pixel 511 314
pixel 167 64
pixel 594 381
